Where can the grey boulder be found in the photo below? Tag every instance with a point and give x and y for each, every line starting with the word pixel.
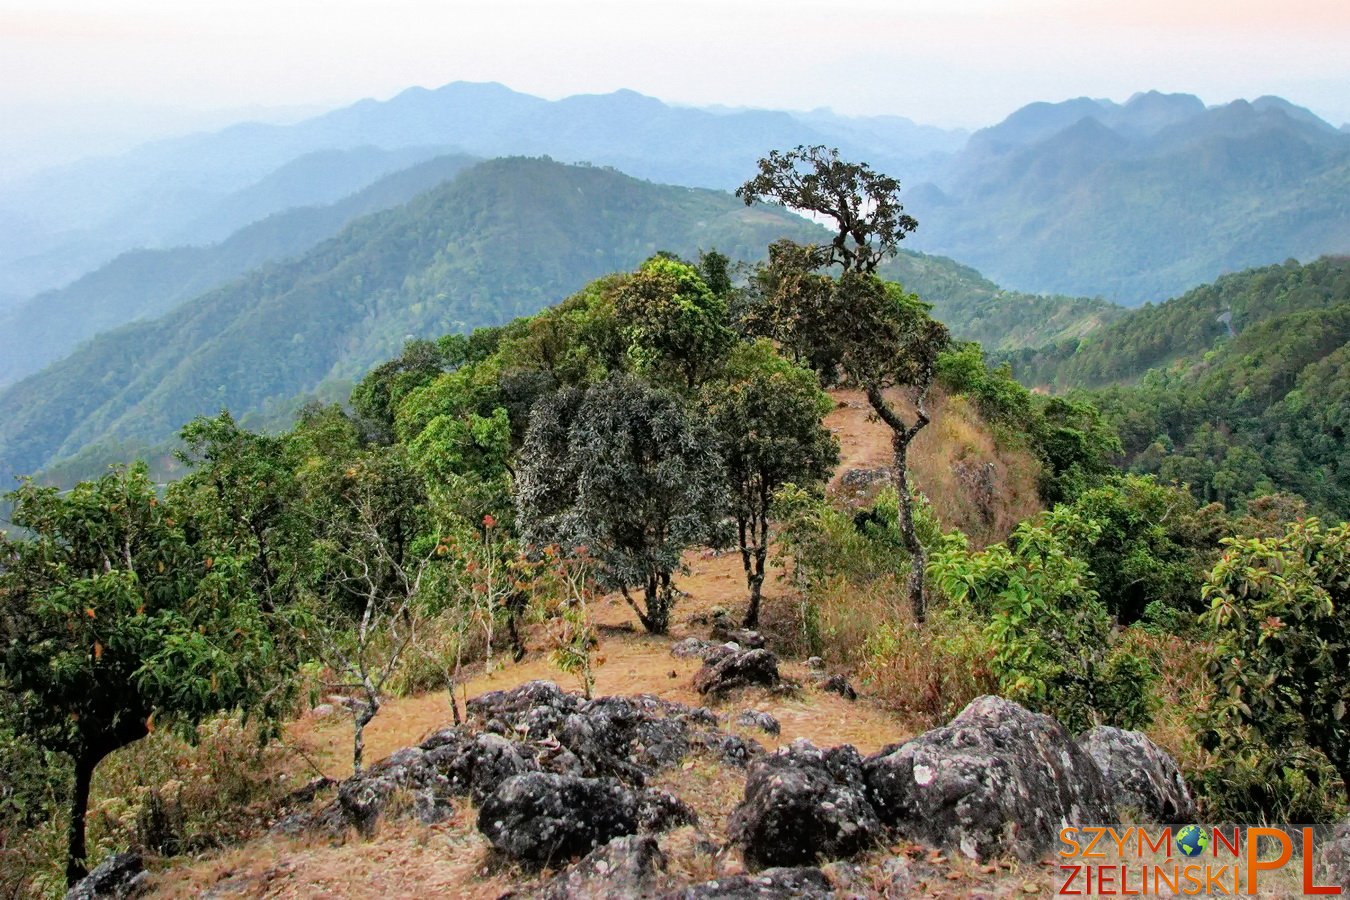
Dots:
pixel 802 804
pixel 997 780
pixel 541 817
pixel 1140 774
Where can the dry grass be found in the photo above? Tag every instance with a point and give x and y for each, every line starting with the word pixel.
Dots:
pixel 948 460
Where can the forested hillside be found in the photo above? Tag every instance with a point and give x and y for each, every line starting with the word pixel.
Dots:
pixel 144 284
pixel 1237 388
pixel 502 240
pixel 498 242
pixel 1140 201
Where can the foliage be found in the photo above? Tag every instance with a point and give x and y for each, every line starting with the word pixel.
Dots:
pixel 1280 663
pixel 675 324
pixel 574 637
pixel 767 417
pixel 1047 627
pixel 627 471
pixel 1152 545
pixel 1248 390
pixel 869 220
pixel 116 615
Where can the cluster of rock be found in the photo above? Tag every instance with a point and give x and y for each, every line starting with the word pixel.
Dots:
pixel 554 775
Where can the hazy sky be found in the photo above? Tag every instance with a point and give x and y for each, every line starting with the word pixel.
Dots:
pixel 65 65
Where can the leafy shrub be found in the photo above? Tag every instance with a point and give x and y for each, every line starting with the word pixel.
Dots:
pixel 1049 632
pixel 1280 668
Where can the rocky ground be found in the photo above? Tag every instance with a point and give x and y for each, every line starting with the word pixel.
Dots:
pixel 706 767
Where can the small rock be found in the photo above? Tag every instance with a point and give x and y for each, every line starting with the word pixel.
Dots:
pixel 660 811
pixel 117 877
pixel 838 684
pixel 740 669
pixel 729 748
pixel 753 718
pixel 626 867
pixel 541 817
pixel 691 646
pixel 1140 774
pixel 745 638
pixel 802 804
pixel 815 663
pixel 803 883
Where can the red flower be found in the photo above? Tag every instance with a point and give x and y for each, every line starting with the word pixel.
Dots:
pixel 488 521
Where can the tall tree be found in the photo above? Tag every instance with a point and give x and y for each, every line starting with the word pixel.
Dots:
pixel 625 470
pixel 869 220
pixel 115 616
pixel 767 414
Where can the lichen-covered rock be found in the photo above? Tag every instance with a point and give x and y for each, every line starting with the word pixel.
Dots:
pixel 541 817
pixel 116 878
pixel 799 883
pixel 692 647
pixel 729 748
pixel 838 684
pixel 997 780
pixel 1335 857
pixel 660 811
pixel 739 669
pixel 533 710
pixel 802 804
pixel 753 718
pixel 362 799
pixel 1139 774
pixel 477 764
pixel 625 868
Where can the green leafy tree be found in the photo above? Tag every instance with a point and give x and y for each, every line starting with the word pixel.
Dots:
pixel 767 415
pixel 857 330
pixel 1279 617
pixel 676 324
pixel 869 220
pixel 115 618
pixel 625 470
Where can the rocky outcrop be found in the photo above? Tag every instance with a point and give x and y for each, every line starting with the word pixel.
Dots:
pixel 624 868
pixel 542 817
pixel 803 883
pixel 1139 774
pixel 116 878
pixel 660 811
pixel 802 804
pixel 997 780
pixel 738 669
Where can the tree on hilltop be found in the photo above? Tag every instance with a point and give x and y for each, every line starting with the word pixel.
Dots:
pixel 855 330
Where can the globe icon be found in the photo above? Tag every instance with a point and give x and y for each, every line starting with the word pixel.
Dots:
pixel 1192 840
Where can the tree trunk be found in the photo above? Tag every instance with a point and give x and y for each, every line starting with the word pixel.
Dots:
pixel 76 867
pixel 918 559
pixel 363 719
pixel 902 434
pixel 755 577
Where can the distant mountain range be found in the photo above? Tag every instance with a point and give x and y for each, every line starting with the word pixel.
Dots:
pixel 58 225
pixel 1139 201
